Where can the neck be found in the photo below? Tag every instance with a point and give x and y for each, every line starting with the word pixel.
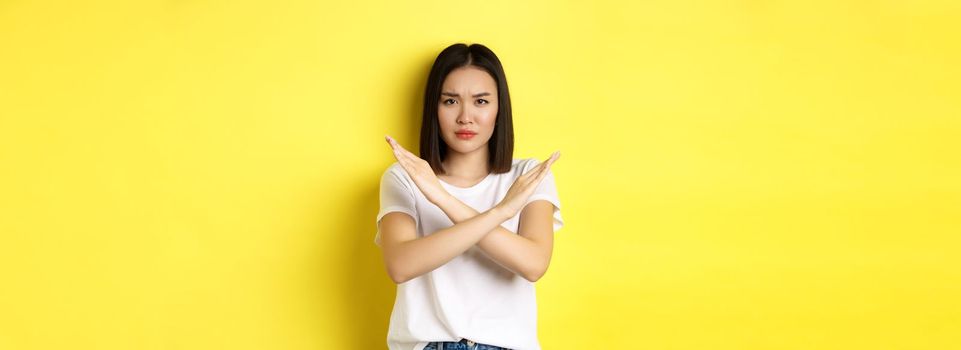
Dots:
pixel 467 165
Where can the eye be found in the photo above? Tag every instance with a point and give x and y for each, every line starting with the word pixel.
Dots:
pixel 448 100
pixel 482 101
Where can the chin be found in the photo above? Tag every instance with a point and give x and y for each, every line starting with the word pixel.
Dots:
pixel 462 146
pixel 462 149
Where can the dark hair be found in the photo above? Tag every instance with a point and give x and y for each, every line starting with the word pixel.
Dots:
pixel 500 147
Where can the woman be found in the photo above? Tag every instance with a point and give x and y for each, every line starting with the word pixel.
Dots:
pixel 466 229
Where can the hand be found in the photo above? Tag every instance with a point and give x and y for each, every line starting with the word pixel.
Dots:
pixel 419 171
pixel 524 186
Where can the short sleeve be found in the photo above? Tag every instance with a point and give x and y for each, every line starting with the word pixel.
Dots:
pixel 546 190
pixel 395 195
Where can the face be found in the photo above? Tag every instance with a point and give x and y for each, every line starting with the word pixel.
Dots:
pixel 468 104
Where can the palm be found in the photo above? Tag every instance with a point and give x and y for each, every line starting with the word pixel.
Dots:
pixel 419 171
pixel 524 186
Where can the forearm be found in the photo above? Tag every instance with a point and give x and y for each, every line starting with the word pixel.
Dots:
pixel 425 254
pixel 514 252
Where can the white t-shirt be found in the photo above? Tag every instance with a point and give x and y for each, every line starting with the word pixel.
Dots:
pixel 470 296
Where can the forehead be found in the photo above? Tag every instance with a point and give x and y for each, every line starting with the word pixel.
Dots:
pixel 469 78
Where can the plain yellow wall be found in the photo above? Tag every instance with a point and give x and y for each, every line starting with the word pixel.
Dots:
pixel 735 174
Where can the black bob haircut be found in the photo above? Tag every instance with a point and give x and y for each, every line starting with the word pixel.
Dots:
pixel 500 147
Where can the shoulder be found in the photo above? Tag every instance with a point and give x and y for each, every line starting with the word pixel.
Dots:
pixel 519 166
pixel 395 173
pixel 394 168
pixel 523 164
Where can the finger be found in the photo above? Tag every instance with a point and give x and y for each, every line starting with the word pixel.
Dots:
pixel 408 153
pixel 543 173
pixel 408 166
pixel 396 154
pixel 536 168
pixel 400 159
pixel 554 156
pixel 550 161
pixel 399 155
pixel 545 167
pixel 533 173
pixel 413 161
pixel 395 145
pixel 390 141
pixel 399 152
pixel 546 164
pixel 540 173
pixel 530 173
pixel 410 158
pixel 402 150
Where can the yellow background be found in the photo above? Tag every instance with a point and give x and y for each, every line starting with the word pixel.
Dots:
pixel 734 174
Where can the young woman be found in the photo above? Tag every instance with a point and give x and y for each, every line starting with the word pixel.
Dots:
pixel 466 229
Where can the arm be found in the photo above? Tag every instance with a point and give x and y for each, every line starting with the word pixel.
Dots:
pixel 527 253
pixel 408 257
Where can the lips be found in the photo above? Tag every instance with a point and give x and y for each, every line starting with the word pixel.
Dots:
pixel 465 134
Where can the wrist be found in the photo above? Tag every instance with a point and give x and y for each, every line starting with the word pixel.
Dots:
pixel 444 200
pixel 501 212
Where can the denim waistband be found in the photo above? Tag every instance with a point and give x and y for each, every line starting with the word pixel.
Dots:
pixel 463 344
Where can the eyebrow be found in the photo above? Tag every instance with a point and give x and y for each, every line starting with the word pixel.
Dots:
pixel 451 94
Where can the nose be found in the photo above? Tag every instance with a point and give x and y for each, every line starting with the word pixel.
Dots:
pixel 464 116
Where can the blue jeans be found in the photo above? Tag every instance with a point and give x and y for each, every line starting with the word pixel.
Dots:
pixel 461 345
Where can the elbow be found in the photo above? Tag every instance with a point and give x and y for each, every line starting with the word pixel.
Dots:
pixel 398 279
pixel 395 269
pixel 533 275
pixel 397 276
pixel 536 269
pixel 400 272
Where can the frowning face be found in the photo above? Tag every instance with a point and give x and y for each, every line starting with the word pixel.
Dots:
pixel 467 110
